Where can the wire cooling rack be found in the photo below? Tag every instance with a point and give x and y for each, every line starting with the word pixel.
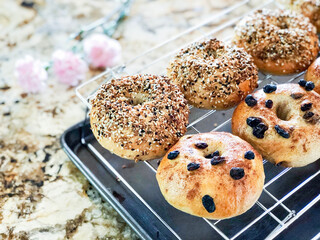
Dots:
pixel 287 194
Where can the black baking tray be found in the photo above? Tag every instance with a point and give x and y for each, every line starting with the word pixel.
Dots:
pixel 75 143
pixel 289 206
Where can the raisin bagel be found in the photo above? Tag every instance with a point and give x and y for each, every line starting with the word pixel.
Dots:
pixel 214 175
pixel 139 117
pixel 213 75
pixel 280 41
pixel 313 74
pixel 282 123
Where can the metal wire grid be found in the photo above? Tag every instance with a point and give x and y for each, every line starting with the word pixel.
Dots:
pixel 283 223
pixel 292 215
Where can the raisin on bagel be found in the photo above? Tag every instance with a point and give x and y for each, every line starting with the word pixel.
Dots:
pixel 214 175
pixel 282 123
pixel 313 74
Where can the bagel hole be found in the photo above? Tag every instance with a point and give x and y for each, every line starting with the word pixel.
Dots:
pixel 283 111
pixel 284 25
pixel 136 101
pixel 210 154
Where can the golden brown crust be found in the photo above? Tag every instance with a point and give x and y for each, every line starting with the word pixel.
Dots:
pixel 310 9
pixel 302 145
pixel 313 74
pixel 281 42
pixel 139 117
pixel 213 75
pixel 185 189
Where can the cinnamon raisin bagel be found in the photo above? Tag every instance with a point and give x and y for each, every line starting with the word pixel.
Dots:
pixel 280 41
pixel 214 175
pixel 213 75
pixel 139 117
pixel 282 123
pixel 313 74
pixel 310 9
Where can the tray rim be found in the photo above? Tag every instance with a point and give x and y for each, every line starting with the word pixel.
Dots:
pixel 99 186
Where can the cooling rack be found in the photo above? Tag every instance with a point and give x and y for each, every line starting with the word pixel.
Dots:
pixel 288 197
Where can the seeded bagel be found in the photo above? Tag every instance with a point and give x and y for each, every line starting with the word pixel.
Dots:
pixel 280 41
pixel 213 75
pixel 310 9
pixel 139 117
pixel 282 123
pixel 313 74
pixel 214 175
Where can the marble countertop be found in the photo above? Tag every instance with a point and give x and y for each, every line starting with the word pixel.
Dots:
pixel 42 194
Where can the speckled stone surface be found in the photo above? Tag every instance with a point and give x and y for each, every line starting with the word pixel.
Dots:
pixel 42 194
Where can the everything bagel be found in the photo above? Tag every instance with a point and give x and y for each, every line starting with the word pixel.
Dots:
pixel 280 41
pixel 139 117
pixel 213 75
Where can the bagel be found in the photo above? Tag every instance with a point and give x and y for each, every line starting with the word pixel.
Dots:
pixel 310 9
pixel 139 117
pixel 213 75
pixel 214 175
pixel 280 41
pixel 282 123
pixel 313 74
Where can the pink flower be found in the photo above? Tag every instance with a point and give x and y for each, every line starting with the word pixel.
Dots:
pixel 30 74
pixel 102 51
pixel 68 67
